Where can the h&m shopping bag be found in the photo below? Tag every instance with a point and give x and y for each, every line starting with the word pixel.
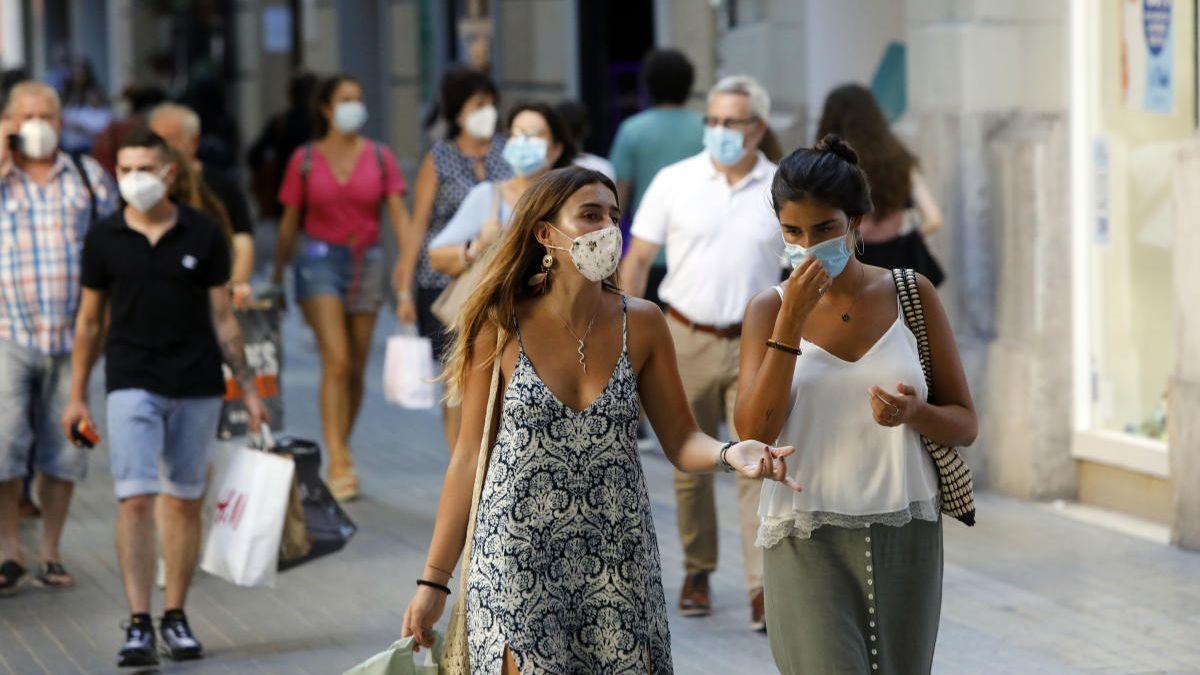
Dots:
pixel 398 660
pixel 251 502
pixel 264 355
pixel 408 372
pixel 315 525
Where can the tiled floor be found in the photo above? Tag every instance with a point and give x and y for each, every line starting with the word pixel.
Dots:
pixel 1026 591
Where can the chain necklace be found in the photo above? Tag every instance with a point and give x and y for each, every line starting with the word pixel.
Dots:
pixel 582 340
pixel 846 316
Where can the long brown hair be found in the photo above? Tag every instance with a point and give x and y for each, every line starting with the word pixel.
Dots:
pixel 852 113
pixel 189 189
pixel 510 266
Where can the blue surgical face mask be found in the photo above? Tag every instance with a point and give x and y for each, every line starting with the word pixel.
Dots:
pixel 834 255
pixel 526 154
pixel 724 145
pixel 349 116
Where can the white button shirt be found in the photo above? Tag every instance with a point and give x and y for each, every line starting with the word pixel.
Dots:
pixel 723 241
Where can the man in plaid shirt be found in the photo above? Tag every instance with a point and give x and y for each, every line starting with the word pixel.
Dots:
pixel 47 201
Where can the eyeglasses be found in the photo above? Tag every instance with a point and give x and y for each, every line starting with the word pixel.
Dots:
pixel 728 122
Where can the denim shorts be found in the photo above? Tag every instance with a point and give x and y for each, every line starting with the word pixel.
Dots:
pixel 34 389
pixel 359 280
pixel 160 444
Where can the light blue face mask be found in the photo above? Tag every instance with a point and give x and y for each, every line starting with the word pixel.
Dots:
pixel 833 255
pixel 526 154
pixel 724 145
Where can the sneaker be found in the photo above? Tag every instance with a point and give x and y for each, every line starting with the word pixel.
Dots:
pixel 178 642
pixel 694 598
pixel 139 648
pixel 758 612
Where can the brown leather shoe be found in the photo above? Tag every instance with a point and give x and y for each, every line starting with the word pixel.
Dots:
pixel 758 612
pixel 694 598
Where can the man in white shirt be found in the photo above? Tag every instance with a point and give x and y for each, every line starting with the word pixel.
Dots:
pixel 712 211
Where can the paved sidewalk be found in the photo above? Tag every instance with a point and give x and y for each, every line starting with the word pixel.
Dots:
pixel 1026 591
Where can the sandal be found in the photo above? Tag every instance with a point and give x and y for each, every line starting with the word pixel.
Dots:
pixel 344 488
pixel 54 576
pixel 13 572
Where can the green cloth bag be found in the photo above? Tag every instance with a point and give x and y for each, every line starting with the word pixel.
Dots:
pixel 398 660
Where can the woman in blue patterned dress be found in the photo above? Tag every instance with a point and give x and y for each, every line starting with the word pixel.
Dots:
pixel 471 153
pixel 564 574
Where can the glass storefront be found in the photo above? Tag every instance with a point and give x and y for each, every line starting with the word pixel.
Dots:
pixel 1140 104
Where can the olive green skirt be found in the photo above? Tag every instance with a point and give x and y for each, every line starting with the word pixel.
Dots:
pixel 860 600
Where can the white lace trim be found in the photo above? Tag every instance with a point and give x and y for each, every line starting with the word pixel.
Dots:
pixel 802 523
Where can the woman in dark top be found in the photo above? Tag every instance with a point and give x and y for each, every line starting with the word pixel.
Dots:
pixel 852 113
pixel 470 154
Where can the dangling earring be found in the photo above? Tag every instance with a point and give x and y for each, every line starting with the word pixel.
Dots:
pixel 862 246
pixel 540 279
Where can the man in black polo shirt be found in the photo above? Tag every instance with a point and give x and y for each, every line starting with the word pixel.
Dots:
pixel 162 269
pixel 179 126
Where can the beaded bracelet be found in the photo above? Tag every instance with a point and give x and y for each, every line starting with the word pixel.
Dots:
pixel 776 344
pixel 725 462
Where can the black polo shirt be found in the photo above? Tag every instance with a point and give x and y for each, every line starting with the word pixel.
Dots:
pixel 161 338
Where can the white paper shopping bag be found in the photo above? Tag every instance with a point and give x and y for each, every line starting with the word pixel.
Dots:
pixel 251 503
pixel 408 375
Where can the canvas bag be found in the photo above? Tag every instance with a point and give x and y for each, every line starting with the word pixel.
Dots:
pixel 252 497
pixel 451 300
pixel 456 653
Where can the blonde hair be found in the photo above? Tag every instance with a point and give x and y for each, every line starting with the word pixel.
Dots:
pixel 189 189
pixel 32 88
pixel 509 268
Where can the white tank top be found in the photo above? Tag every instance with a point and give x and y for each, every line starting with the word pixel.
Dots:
pixel 854 471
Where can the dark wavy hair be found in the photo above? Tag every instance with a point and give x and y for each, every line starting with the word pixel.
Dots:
pixel 325 94
pixel 457 86
pixel 852 113
pixel 558 129
pixel 828 173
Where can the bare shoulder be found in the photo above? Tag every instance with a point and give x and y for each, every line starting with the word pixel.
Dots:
pixel 484 344
pixel 929 294
pixel 763 307
pixel 645 317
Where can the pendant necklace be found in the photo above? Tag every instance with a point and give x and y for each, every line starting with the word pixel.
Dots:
pixel 582 340
pixel 846 316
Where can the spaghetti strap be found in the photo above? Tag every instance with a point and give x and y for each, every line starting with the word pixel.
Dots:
pixel 517 330
pixel 624 324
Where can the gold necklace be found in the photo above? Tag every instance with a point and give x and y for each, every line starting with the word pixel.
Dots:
pixel 582 340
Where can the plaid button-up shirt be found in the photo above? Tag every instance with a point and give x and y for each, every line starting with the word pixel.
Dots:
pixel 41 240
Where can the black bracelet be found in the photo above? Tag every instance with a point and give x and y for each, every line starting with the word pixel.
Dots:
pixel 433 584
pixel 725 462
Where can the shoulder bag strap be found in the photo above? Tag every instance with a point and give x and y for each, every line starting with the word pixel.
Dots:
pixel 306 161
pixel 481 462
pixel 383 170
pixel 87 185
pixel 497 195
pixel 914 316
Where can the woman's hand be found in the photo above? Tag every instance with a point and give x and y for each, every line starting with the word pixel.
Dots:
pixel 423 611
pixel 756 460
pixel 892 410
pixel 240 294
pixel 803 290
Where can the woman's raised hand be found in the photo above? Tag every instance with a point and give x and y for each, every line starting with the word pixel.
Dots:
pixel 803 290
pixel 757 460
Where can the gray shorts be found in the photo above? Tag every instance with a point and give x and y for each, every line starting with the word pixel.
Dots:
pixel 34 389
pixel 160 444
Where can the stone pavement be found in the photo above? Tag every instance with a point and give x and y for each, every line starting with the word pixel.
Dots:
pixel 1026 591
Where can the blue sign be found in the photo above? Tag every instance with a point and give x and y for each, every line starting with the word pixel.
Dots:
pixel 1160 56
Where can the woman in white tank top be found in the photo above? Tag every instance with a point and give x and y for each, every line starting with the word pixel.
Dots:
pixel 853 563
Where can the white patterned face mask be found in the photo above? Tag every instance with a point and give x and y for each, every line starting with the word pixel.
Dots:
pixel 596 254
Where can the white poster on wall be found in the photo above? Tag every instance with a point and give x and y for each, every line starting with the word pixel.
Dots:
pixel 1148 55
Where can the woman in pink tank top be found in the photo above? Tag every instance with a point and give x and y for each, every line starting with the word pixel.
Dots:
pixel 332 192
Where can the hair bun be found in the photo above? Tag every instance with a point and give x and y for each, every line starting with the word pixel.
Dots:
pixel 832 143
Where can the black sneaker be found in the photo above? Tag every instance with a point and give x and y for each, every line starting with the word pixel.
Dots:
pixel 178 642
pixel 139 648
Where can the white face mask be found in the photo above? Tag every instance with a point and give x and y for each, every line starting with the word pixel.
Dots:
pixel 349 116
pixel 596 254
pixel 143 190
pixel 39 140
pixel 481 123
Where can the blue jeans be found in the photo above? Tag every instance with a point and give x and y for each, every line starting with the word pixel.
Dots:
pixel 359 280
pixel 145 429
pixel 34 389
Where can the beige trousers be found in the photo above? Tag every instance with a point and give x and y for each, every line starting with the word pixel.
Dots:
pixel 708 366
